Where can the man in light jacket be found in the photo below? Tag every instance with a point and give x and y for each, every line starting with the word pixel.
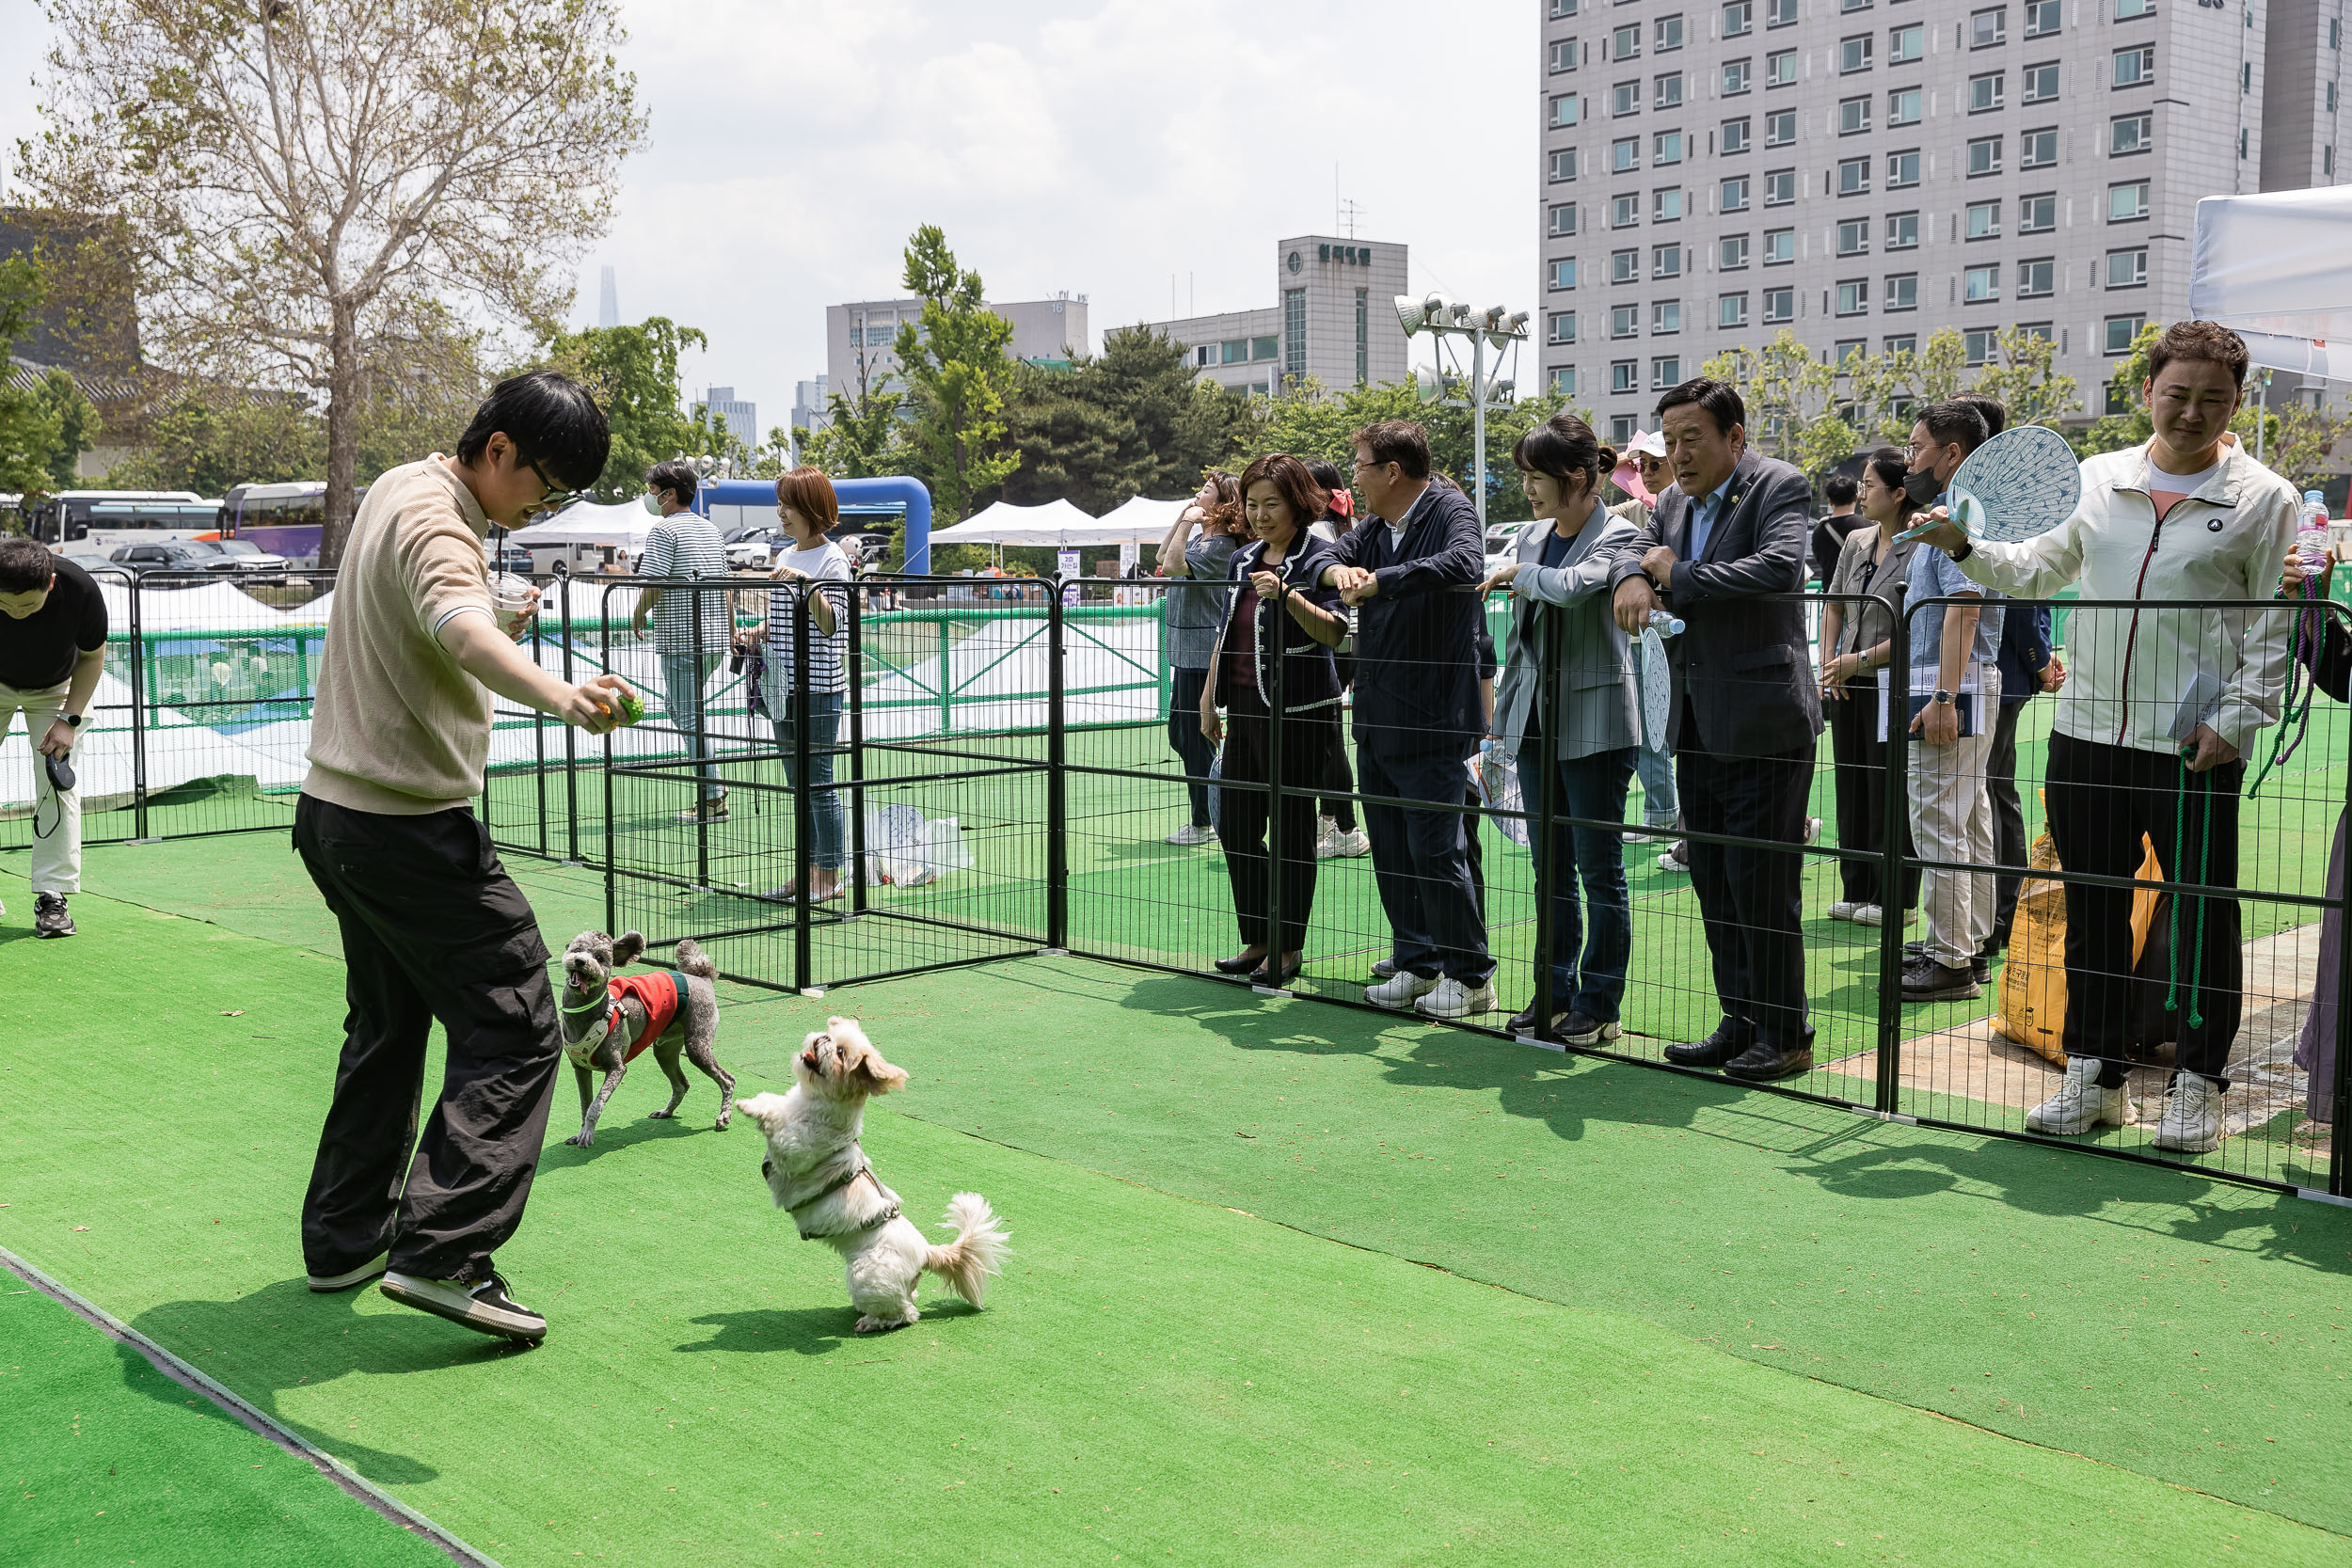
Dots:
pixel 2161 702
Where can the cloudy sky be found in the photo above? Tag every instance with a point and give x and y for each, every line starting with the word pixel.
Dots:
pixel 1096 146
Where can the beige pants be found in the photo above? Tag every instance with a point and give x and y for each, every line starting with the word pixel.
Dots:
pixel 56 819
pixel 1952 819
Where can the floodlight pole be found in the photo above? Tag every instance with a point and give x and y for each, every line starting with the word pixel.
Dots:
pixel 1478 426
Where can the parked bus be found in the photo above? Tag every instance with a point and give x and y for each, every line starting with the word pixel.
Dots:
pixel 284 520
pixel 103 520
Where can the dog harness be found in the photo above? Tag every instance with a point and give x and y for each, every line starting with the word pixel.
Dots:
pixel 836 1185
pixel 661 993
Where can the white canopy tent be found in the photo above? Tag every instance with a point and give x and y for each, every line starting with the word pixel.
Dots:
pixel 1057 523
pixel 1149 519
pixel 587 535
pixel 2272 267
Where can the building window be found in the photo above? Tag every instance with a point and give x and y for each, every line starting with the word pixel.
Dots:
pixel 1780 13
pixel 2135 66
pixel 1295 334
pixel 2122 332
pixel 1561 328
pixel 1668 34
pixel 2039 331
pixel 1902 230
pixel 1564 110
pixel 1625 376
pixel 1902 291
pixel 1980 284
pixel 1848 349
pixel 1984 156
pixel 1564 56
pixel 1563 220
pixel 1780 187
pixel 2241 142
pixel 1902 169
pixel 1564 165
pixel 2041 18
pixel 2038 149
pixel 2041 83
pixel 1731 253
pixel 2129 134
pixel 2331 97
pixel 1667 148
pixel 2037 278
pixel 1735 195
pixel 1621 426
pixel 1780 305
pixel 1666 205
pixel 1853 296
pixel 1739 19
pixel 1984 220
pixel 1984 93
pixel 1665 318
pixel 1625 266
pixel 1979 346
pixel 1780 69
pixel 2127 269
pixel 1853 237
pixel 1625 99
pixel 1732 310
pixel 1665 372
pixel 2335 33
pixel 1780 128
pixel 1563 273
pixel 1735 78
pixel 1562 380
pixel 1666 260
pixel 1903 105
pixel 2037 213
pixel 1563 8
pixel 1853 54
pixel 1625 320
pixel 1780 246
pixel 1669 90
pixel 1625 212
pixel 1853 177
pixel 1989 27
pixel 1853 116
pixel 2126 10
pixel 1624 153
pixel 1626 42
pixel 1363 335
pixel 1906 44
pixel 2127 202
pixel 1736 135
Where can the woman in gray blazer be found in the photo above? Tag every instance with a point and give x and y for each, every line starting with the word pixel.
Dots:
pixel 1588 723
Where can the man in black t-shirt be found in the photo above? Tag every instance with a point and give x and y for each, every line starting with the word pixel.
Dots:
pixel 52 648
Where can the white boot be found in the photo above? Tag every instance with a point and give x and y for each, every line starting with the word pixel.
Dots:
pixel 2080 1104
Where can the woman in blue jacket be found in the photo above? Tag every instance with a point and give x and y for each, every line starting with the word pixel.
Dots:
pixel 1279 613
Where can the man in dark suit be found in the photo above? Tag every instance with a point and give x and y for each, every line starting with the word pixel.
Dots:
pixel 1733 530
pixel 1408 569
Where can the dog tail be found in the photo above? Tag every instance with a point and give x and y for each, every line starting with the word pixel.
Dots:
pixel 691 959
pixel 977 1251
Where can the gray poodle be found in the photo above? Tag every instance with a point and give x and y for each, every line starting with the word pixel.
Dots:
pixel 608 1021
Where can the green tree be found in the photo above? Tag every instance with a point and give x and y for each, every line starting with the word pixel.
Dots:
pixel 632 374
pixel 206 441
pixel 1131 421
pixel 43 428
pixel 1795 411
pixel 863 438
pixel 955 366
pixel 1883 389
pixel 2019 377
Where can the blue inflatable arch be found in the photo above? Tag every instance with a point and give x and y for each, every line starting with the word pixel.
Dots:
pixel 869 497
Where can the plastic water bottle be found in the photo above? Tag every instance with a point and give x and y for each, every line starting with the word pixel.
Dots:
pixel 1665 623
pixel 2312 539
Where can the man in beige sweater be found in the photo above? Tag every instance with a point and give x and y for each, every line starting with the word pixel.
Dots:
pixel 432 927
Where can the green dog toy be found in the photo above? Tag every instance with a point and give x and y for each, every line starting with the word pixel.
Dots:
pixel 632 707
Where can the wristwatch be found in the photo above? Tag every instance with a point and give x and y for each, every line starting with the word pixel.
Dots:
pixel 70 720
pixel 1943 697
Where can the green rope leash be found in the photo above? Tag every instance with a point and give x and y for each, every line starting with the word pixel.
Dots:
pixel 2204 859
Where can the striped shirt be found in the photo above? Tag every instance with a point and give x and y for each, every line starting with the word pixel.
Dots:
pixel 826 562
pixel 685 545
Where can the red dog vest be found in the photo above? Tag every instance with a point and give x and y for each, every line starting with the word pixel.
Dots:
pixel 661 993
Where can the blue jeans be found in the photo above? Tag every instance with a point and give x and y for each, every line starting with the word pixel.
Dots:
pixel 1593 787
pixel 824 806
pixel 1660 806
pixel 683 678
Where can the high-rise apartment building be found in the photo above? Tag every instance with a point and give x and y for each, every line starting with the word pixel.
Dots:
pixel 1864 172
pixel 1335 320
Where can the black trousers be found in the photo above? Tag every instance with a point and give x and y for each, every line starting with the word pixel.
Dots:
pixel 1185 739
pixel 1337 777
pixel 432 927
pixel 1860 757
pixel 2101 799
pixel 1749 897
pixel 1241 818
pixel 1426 863
pixel 2009 818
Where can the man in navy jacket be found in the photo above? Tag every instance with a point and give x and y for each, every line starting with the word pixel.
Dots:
pixel 1409 570
pixel 1725 547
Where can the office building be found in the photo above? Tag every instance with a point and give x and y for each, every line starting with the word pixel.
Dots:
pixel 1864 172
pixel 608 301
pixel 742 417
pixel 1334 319
pixel 858 338
pixel 811 409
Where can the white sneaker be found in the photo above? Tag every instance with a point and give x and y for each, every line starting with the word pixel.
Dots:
pixel 1351 845
pixel 324 1283
pixel 2080 1104
pixel 1634 838
pixel 1843 910
pixel 1399 989
pixel 1672 862
pixel 2192 1116
pixel 1384 969
pixel 1450 998
pixel 1813 830
pixel 1189 835
pixel 1869 914
pixel 1330 830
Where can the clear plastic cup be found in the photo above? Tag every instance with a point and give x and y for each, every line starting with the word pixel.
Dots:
pixel 516 599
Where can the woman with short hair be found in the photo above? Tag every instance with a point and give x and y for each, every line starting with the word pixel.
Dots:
pixel 810 565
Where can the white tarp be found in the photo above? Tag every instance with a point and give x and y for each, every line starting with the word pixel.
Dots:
pixel 589 523
pixel 2272 267
pixel 1148 518
pixel 1056 522
pixel 207 606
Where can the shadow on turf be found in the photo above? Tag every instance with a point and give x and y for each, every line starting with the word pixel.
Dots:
pixel 287 1337
pixel 1848 1155
pixel 804 1330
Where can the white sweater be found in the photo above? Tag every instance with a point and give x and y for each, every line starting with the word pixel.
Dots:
pixel 2129 671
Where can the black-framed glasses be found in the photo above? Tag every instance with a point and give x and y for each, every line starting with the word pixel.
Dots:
pixel 555 498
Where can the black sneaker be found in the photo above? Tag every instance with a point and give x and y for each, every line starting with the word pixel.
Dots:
pixel 1925 980
pixel 486 1308
pixel 1524 1022
pixel 49 915
pixel 1582 1029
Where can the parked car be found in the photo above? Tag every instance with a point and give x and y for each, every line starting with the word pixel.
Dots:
pixel 754 548
pixel 249 558
pixel 177 557
pixel 514 558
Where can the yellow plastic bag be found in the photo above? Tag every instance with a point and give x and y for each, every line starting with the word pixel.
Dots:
pixel 2032 1005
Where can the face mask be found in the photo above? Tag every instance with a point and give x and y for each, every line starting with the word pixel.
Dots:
pixel 653 503
pixel 1922 487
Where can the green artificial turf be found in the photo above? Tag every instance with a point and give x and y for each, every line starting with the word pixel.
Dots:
pixel 103 1458
pixel 1156 1378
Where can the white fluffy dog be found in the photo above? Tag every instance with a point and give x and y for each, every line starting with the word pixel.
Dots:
pixel 817 1174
